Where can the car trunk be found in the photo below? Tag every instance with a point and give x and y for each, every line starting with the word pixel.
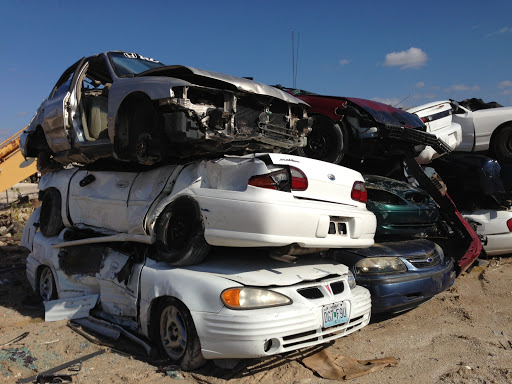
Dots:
pixel 326 181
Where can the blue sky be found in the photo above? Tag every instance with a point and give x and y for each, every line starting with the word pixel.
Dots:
pixel 382 50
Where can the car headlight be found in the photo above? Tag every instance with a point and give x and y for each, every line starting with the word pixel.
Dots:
pixel 380 265
pixel 252 298
pixel 351 280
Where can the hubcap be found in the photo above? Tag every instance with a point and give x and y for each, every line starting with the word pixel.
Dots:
pixel 173 332
pixel 46 284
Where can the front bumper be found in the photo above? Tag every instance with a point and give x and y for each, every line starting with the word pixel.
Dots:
pixel 396 293
pixel 255 334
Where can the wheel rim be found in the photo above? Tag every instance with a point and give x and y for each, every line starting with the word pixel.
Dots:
pixel 173 332
pixel 46 284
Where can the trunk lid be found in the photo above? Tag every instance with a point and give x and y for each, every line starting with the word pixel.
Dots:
pixel 326 181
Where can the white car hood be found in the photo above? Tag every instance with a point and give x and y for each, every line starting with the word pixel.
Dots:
pixel 261 271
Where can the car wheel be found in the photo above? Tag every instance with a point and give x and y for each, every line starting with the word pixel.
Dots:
pixel 180 233
pixel 173 330
pixel 46 288
pixel 325 142
pixel 51 218
pixel 502 144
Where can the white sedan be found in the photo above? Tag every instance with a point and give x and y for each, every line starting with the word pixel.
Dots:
pixel 495 226
pixel 228 307
pixel 265 200
pixel 437 116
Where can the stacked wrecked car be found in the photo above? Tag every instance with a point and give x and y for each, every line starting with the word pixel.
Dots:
pixel 224 218
pixel 150 171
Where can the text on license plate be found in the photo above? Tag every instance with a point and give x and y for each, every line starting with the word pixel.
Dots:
pixel 335 314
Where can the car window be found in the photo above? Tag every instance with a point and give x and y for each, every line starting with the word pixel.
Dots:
pixel 64 82
pixel 129 64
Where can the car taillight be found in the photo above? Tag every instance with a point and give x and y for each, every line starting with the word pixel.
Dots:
pixel 299 179
pixel 283 180
pixel 359 192
pixel 509 224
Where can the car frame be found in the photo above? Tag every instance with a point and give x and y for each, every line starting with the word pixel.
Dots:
pixel 290 203
pixel 134 108
pixel 399 275
pixel 358 128
pixel 196 313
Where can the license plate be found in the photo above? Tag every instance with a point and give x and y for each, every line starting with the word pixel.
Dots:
pixel 335 314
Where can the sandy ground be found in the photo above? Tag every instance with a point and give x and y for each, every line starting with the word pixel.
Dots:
pixel 463 335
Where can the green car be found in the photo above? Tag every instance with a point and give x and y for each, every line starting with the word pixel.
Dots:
pixel 402 210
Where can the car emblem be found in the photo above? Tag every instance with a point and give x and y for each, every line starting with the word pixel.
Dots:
pixel 130 55
pixel 331 177
pixel 429 259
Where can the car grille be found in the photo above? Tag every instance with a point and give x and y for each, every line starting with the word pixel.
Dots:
pixel 427 261
pixel 317 292
pixel 248 123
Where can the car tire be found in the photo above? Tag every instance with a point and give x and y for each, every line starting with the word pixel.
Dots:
pixel 502 144
pixel 326 142
pixel 46 288
pixel 50 221
pixel 172 329
pixel 180 233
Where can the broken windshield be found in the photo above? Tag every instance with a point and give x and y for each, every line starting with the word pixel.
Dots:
pixel 128 64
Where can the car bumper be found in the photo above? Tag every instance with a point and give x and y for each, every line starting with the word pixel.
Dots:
pixel 406 291
pixel 451 135
pixel 259 223
pixel 260 333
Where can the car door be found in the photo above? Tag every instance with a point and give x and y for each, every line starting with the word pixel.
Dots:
pixel 56 109
pixel 118 281
pixel 100 199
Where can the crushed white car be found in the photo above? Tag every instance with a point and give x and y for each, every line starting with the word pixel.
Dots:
pixel 495 229
pixel 228 307
pixel 264 200
pixel 437 116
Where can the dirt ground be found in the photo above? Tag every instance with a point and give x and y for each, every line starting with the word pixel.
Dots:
pixel 463 335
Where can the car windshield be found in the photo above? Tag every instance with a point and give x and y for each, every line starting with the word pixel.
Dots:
pixel 130 64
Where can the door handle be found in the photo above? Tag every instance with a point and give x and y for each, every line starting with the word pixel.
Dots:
pixel 87 180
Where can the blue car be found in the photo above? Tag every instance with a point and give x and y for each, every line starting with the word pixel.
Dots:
pixel 399 275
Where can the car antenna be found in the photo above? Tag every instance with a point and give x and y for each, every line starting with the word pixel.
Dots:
pixel 401 101
pixel 295 57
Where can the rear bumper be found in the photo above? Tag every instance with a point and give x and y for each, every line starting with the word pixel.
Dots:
pixel 262 222
pixel 451 135
pixel 405 291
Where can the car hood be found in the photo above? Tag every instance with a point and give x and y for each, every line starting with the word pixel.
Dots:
pixel 257 269
pixel 409 248
pixel 220 80
pixel 380 112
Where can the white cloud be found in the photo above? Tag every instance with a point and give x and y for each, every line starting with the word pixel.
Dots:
pixel 344 62
pixel 420 84
pixel 505 84
pixel 500 31
pixel 412 58
pixel 507 92
pixel 462 87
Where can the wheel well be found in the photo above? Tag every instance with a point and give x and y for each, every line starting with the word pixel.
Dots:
pixel 38 143
pixel 153 308
pixel 497 130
